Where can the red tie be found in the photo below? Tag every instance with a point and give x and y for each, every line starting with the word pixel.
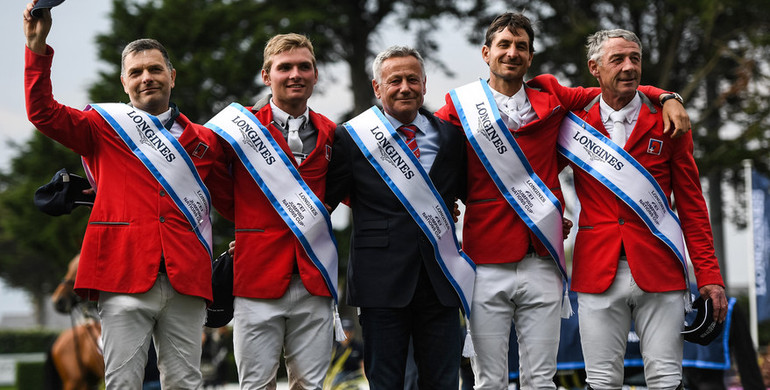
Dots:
pixel 409 132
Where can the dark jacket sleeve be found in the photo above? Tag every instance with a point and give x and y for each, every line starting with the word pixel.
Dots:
pixel 339 177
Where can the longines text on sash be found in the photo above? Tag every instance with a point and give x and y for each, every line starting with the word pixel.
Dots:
pixel 256 140
pixel 148 132
pixel 392 152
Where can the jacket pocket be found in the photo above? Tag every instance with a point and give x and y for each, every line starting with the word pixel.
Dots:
pixel 372 234
pixel 481 201
pixel 379 224
pixel 371 242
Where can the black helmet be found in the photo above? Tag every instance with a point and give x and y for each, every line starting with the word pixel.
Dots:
pixel 220 311
pixel 63 193
pixel 703 329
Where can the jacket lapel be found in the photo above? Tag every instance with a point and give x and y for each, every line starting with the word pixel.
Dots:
pixel 190 136
pixel 320 146
pixel 540 103
pixel 594 118
pixel 644 123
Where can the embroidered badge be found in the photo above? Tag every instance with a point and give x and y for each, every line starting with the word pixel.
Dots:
pixel 328 152
pixel 655 146
pixel 200 150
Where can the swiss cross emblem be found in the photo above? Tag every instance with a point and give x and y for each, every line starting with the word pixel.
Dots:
pixel 655 146
pixel 200 150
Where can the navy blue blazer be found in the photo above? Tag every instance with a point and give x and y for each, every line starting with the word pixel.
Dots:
pixel 388 248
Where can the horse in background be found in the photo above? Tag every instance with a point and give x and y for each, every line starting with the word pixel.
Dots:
pixel 75 361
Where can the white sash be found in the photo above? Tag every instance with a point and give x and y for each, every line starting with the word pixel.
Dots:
pixel 167 161
pixel 404 175
pixel 508 167
pixel 282 184
pixel 597 155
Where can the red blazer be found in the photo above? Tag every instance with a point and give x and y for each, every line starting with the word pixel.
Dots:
pixel 492 231
pixel 266 249
pixel 133 222
pixel 606 222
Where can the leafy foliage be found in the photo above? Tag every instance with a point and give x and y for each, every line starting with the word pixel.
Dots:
pixel 217 46
pixel 711 51
pixel 216 51
pixel 34 247
pixel 26 341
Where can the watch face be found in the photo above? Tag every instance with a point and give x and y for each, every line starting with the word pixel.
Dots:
pixel 672 96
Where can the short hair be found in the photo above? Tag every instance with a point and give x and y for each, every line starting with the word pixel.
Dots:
pixel 141 45
pixel 595 42
pixel 395 51
pixel 283 43
pixel 512 21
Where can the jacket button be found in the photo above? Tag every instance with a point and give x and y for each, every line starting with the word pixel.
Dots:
pixel 162 193
pixel 162 219
pixel 621 221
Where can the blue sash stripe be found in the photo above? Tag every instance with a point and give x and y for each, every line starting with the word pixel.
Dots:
pixel 181 152
pixel 620 193
pixel 330 284
pixel 496 179
pixel 408 153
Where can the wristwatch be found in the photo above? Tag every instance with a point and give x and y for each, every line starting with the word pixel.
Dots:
pixel 672 95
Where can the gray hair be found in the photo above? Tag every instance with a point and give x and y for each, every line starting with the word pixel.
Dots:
pixel 395 51
pixel 141 45
pixel 595 42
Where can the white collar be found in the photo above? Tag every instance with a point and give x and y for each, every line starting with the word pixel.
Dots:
pixel 519 99
pixel 420 121
pixel 282 117
pixel 164 116
pixel 630 112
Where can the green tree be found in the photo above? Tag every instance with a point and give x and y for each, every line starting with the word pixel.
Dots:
pixel 346 30
pixel 216 51
pixel 35 248
pixel 217 46
pixel 714 52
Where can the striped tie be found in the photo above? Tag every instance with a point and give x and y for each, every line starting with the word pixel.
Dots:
pixel 409 132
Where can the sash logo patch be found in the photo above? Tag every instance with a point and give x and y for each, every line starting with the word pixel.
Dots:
pixel 655 146
pixel 200 150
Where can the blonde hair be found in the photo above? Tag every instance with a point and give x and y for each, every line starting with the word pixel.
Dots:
pixel 282 43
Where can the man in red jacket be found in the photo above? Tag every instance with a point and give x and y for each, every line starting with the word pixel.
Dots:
pixel 283 302
pixel 516 277
pixel 629 261
pixel 146 253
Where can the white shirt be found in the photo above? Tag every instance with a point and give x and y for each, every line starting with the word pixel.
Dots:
pixel 282 117
pixel 176 129
pixel 516 111
pixel 630 112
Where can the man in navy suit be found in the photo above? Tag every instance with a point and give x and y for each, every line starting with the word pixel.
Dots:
pixel 394 275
